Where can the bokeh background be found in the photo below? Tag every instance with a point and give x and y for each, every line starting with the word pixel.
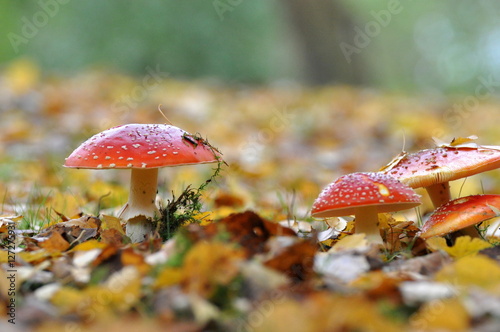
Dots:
pixel 294 93
pixel 399 45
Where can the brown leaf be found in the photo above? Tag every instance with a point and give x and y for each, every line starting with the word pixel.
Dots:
pixel 54 243
pixel 249 230
pixel 296 261
pixel 112 236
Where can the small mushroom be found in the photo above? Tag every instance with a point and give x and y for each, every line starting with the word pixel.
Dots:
pixel 434 168
pixel 461 214
pixel 142 148
pixel 364 195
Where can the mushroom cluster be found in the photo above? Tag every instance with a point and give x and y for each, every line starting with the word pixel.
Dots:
pixel 142 148
pixel 362 194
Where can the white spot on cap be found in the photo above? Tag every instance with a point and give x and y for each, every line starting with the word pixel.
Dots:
pixel 129 165
pixel 151 152
pixel 144 165
pixel 95 157
pixel 175 152
pixel 107 158
pixel 99 166
pixel 110 147
pixel 130 158
pixel 124 147
pixel 136 145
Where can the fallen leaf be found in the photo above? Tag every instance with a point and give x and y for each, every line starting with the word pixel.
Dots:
pixel 296 261
pixel 343 267
pixel 54 242
pixel 112 236
pixel 476 270
pixel 441 315
pixel 350 242
pixel 464 245
pixel 130 257
pixel 168 276
pixel 320 312
pixel 248 229
pixel 208 265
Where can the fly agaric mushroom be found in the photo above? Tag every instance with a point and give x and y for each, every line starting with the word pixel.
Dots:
pixel 142 148
pixel 461 215
pixel 364 195
pixel 434 168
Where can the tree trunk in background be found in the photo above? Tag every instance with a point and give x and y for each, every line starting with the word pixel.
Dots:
pixel 319 27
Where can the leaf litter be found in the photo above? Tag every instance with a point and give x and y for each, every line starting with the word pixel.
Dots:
pixel 244 254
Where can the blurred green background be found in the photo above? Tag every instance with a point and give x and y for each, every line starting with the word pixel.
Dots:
pixel 430 46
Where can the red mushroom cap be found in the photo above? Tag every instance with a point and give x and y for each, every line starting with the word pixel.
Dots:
pixel 442 164
pixel 141 146
pixel 351 192
pixel 461 213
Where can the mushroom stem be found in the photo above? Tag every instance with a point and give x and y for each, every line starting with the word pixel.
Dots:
pixel 141 208
pixel 367 222
pixel 439 193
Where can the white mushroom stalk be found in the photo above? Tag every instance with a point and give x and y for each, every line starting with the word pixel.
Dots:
pixel 366 220
pixel 141 208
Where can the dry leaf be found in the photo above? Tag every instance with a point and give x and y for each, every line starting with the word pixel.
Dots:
pixel 464 245
pixel 296 261
pixel 477 270
pixel 320 312
pixel 130 257
pixel 350 242
pixel 209 264
pixel 54 242
pixel 110 223
pixel 441 315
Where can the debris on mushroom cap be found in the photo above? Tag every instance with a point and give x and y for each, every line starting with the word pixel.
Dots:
pixel 461 213
pixel 142 146
pixel 442 164
pixel 350 192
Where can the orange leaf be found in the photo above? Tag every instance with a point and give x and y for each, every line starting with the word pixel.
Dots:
pixel 54 243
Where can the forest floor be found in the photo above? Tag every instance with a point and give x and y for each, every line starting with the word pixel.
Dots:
pixel 250 258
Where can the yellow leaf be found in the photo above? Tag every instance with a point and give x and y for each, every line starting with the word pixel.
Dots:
pixel 89 245
pixel 464 245
pixel 118 294
pixel 66 203
pixel 110 222
pixel 33 256
pixel 209 264
pixel 477 270
pixel 110 195
pixel 321 312
pixel 124 287
pixel 350 242
pixel 441 315
pixel 463 140
pixel 67 299
pixel 168 277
